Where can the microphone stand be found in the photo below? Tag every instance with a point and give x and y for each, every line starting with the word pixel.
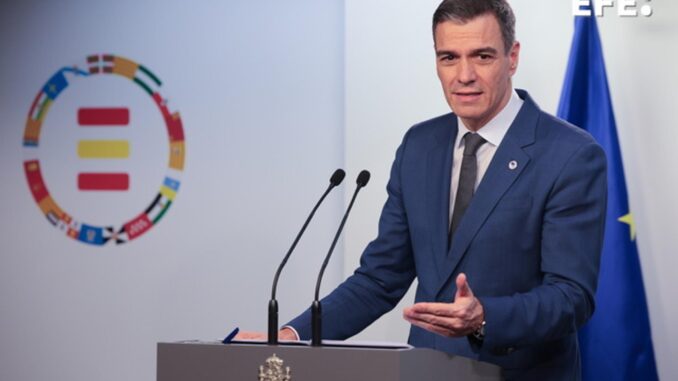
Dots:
pixel 316 307
pixel 336 179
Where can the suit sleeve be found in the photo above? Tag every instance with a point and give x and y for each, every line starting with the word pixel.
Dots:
pixel 386 272
pixel 571 243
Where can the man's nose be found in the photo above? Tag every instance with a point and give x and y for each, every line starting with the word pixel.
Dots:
pixel 467 72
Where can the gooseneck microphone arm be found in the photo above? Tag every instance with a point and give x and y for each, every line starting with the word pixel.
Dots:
pixel 316 307
pixel 336 179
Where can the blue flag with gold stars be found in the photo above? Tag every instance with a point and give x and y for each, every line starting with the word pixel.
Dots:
pixel 616 344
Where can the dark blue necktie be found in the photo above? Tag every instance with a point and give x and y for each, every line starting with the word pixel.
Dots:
pixel 467 179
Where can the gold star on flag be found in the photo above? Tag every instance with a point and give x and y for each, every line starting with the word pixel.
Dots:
pixel 628 219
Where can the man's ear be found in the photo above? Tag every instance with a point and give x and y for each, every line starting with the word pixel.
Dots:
pixel 514 55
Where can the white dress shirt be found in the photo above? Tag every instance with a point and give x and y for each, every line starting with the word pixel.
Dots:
pixel 493 132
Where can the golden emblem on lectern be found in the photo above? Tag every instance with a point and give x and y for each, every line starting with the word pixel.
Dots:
pixel 273 370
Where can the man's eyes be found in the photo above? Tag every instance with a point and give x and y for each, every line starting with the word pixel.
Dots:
pixel 481 57
pixel 485 57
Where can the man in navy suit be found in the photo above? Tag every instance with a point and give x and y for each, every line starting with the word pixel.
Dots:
pixel 528 240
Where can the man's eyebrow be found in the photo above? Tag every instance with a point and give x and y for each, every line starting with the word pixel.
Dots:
pixel 440 53
pixel 485 50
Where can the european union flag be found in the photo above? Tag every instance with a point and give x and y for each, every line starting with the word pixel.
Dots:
pixel 616 344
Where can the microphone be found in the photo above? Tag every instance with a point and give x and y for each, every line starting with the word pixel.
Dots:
pixel 336 179
pixel 316 308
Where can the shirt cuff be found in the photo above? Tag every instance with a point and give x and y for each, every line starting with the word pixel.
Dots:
pixel 296 334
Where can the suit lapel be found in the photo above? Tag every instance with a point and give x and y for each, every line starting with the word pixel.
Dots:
pixel 439 168
pixel 498 178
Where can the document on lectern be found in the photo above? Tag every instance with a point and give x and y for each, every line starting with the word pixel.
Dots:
pixel 334 343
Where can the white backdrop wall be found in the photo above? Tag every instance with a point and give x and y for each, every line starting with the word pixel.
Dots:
pixel 391 84
pixel 259 87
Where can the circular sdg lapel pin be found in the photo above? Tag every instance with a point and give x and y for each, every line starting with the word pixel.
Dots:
pixel 97 158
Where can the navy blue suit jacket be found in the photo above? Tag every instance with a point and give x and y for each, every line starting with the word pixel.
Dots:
pixel 530 244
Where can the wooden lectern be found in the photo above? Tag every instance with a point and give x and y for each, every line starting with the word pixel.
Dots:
pixel 214 361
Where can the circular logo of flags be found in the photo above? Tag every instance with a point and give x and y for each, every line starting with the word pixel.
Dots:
pixel 99 149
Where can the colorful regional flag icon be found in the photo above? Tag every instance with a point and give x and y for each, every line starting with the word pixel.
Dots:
pixel 104 149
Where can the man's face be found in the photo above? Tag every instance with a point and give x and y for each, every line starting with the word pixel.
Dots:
pixel 474 69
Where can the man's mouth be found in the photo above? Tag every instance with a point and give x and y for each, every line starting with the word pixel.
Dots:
pixel 467 95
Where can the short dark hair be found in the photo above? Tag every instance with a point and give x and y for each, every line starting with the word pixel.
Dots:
pixel 461 11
